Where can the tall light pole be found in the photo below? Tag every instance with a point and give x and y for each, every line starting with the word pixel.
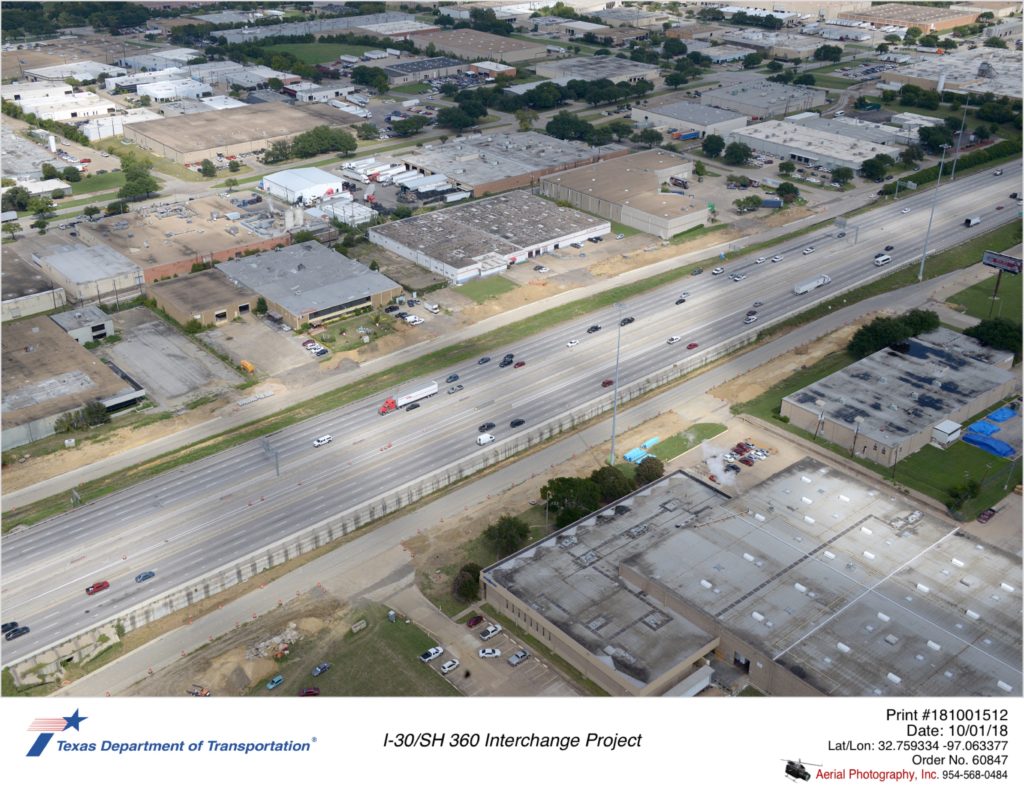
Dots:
pixel 615 393
pixel 959 140
pixel 931 216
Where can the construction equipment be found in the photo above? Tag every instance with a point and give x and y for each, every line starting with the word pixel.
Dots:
pixel 197 691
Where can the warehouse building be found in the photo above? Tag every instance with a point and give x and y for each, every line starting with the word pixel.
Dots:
pixel 867 131
pixel 774 45
pixel 486 237
pixel 93 273
pixel 73 108
pixel 171 90
pixel 25 290
pixel 491 163
pixel 82 71
pixel 396 30
pixel 928 19
pixel 469 44
pixel 310 283
pixel 598 67
pixel 689 117
pixel 978 71
pixel 29 91
pixel 192 138
pixel 491 69
pixel 723 53
pixel 632 17
pixel 809 146
pixel 85 324
pixel 764 99
pixel 208 297
pixel 130 82
pixel 627 190
pixel 160 61
pixel 410 71
pixel 884 407
pixel 302 185
pixel 809 584
pixel 317 27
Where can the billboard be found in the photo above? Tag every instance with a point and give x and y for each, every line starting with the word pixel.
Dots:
pixel 999 261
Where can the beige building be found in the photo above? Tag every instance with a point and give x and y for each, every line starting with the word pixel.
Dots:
pixel 628 190
pixel 208 297
pixel 470 44
pixel 93 273
pixel 928 19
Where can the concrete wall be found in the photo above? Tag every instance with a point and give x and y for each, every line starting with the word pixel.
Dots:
pixel 29 305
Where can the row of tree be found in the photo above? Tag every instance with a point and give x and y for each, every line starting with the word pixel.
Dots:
pixel 318 140
pixel 891 331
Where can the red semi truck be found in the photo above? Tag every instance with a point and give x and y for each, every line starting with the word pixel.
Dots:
pixel 404 400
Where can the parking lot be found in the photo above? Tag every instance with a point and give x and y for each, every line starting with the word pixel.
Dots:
pixel 271 350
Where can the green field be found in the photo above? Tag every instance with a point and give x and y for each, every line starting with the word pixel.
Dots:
pixel 485 288
pixel 412 87
pixel 678 444
pixel 319 53
pixel 98 183
pixel 977 300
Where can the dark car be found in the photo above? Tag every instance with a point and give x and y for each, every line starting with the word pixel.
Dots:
pixel 841 234
pixel 485 427
pixel 322 668
pixel 476 620
pixel 309 692
pixel 751 312
pixel 627 320
pixel 747 462
pixel 697 271
pixel 889 248
pixel 593 328
pixel 691 346
pixel 402 315
pixel 519 364
pixel 452 378
pixel 757 304
pixel 509 357
pixel 96 587
pixel 16 633
pixel 391 309
pixel 483 361
pixel 517 422
pixel 146 575
pixel 731 468
pixel 7 627
pixel 680 301
pixel 412 406
pixel 985 515
pixel 505 363
pixel 607 383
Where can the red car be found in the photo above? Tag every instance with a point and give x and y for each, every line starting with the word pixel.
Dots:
pixel 476 620
pixel 519 364
pixel 607 383
pixel 691 346
pixel 985 515
pixel 96 587
pixel 746 462
pixel 310 692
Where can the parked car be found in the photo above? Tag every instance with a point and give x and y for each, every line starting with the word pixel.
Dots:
pixel 275 682
pixel 620 236
pixel 518 658
pixel 476 620
pixel 985 515
pixel 309 692
pixel 449 666
pixel 489 653
pixel 431 653
pixel 322 668
pixel 490 631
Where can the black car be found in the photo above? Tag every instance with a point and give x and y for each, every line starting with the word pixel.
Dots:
pixel 517 422
pixel 15 633
pixel 483 361
pixel 593 328
pixel 452 378
pixel 485 427
pixel 627 320
pixel 680 301
pixel 412 406
pixel 840 235
pixel 889 248
pixel 391 309
pixel 9 626
pixel 510 357
pixel 697 271
pixel 505 363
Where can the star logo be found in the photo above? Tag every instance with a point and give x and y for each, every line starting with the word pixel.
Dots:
pixel 49 726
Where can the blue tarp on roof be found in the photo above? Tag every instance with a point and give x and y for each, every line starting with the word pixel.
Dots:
pixel 984 428
pixel 994 446
pixel 1005 413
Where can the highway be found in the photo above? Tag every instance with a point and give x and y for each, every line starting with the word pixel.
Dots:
pixel 207 514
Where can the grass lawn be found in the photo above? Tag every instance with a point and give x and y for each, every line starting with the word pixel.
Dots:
pixel 828 81
pixel 766 405
pixel 98 183
pixel 678 444
pixel 485 288
pixel 382 660
pixel 161 165
pixel 319 53
pixel 695 233
pixel 625 230
pixel 977 300
pixel 413 87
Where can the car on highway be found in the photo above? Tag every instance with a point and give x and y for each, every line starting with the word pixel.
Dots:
pixel 750 319
pixel 889 248
pixel 718 270
pixel 412 406
pixel 674 339
pixel 985 515
pixel 776 259
pixel 489 653
pixel 449 666
pixel 485 427
pixel 9 626
pixel 593 328
pixel 1000 207
pixel 684 295
pixel 761 260
pixel 757 304
pixel 319 441
pixel 697 271
pixel 476 620
pixel 738 277
pixel 520 364
pixel 483 361
pixel 309 692
pixel 572 343
pixel 455 389
pixel 452 378
pixel 516 423
pixel 808 250
pixel 626 321
pixel 146 575
pixel 505 363
pixel 681 300
pixel 431 653
pixel 96 587
pixel 14 634
pixel 491 630
pixel 841 235
pixel 751 312
pixel 275 682
pixel 691 346
pixel 322 668
pixel 607 383
pixel 518 658
pixel 904 211
pixel 997 172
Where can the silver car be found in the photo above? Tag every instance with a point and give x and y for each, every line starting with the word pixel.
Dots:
pixel 518 658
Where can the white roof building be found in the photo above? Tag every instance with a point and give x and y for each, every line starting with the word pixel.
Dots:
pixel 169 90
pixel 302 185
pixel 77 106
pixel 83 71
pixel 809 146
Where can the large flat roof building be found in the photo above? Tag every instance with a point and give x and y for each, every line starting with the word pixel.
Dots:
pixel 812 582
pixel 632 17
pixel 82 70
pixel 90 273
pixel 209 297
pixel 317 27
pixel 978 71
pixel 404 72
pixel 867 131
pixel 311 283
pixel 884 406
pixel 628 190
pixel 472 44
pixel 689 117
pixel 302 185
pixel 925 17
pixel 764 99
pixel 598 67
pixel 85 324
pixel 485 237
pixel 498 162
pixel 808 145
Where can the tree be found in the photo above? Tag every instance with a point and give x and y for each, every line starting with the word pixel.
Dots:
pixel 16 199
pixel 737 154
pixel 805 79
pixel 959 494
pixel 41 224
pixel 371 77
pixel 699 168
pixel 275 84
pixel 367 132
pixel 71 174
pixel 650 137
pixel 207 168
pixel 234 166
pixel 11 228
pixel 890 331
pixel 1000 333
pixel 787 192
pixel 752 60
pixel 279 151
pixel 749 203
pixel 407 127
pixel 525 118
pixel 649 470
pixel 466 585
pixel 138 185
pixel 41 206
pixel 230 184
pixel 842 175
pixel 673 48
pixel 911 154
pixel 912 35
pixel 261 306
pixel 507 535
pixel 995 43
pixel 612 483
pixel 454 118
pixel 933 138
pixel 567 126
pixel 787 168
pixel 828 52
pixel 712 145
pixel 91 211
pixel 873 169
pixel 620 128
pixel 571 498
pixel 775 66
pixel 881 49
pixel 49 171
pixel 676 80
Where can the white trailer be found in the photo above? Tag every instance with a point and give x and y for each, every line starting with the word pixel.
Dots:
pixel 391 404
pixel 355 163
pixel 809 285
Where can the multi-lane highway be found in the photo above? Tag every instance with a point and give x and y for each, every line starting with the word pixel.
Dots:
pixel 210 513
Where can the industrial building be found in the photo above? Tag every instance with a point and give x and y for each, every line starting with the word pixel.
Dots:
pixel 44 187
pixel 302 185
pixel 469 44
pixel 192 138
pixel 977 71
pixel 632 17
pixel 628 190
pixel 317 27
pixel 774 45
pixel 82 71
pixel 25 290
pixel 491 163
pixel 160 61
pixel 491 69
pixel 723 53
pixel 130 82
pixel 396 30
pixel 809 146
pixel 85 324
pixel 28 91
pixel 689 117
pixel 884 407
pixel 598 67
pixel 170 90
pixel 310 283
pixel 208 297
pixel 410 71
pixel 845 126
pixel 73 107
pixel 763 99
pixel 89 273
pixel 811 583
pixel 487 236
pixel 928 19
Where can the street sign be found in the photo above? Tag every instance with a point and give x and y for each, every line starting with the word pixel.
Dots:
pixel 1000 261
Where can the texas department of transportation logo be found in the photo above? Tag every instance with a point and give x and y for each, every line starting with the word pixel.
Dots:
pixel 49 726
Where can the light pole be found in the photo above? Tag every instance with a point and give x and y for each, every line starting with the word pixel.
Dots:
pixel 959 140
pixel 615 393
pixel 931 216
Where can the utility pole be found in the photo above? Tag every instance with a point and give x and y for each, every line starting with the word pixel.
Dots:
pixel 931 216
pixel 959 140
pixel 615 393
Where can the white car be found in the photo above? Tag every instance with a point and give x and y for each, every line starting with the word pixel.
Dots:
pixel 489 653
pixel 620 236
pixel 718 270
pixel 322 440
pixel 543 269
pixel 684 295
pixel 449 666
pixel 738 277
pixel 431 653
pixel 674 339
pixel 808 250
pixel 776 259
pixel 572 343
pixel 750 319
pixel 761 260
pixel 490 631
pixel 904 211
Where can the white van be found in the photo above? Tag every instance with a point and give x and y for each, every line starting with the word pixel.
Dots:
pixel 485 439
pixel 882 260
pixel 432 307
pixel 322 440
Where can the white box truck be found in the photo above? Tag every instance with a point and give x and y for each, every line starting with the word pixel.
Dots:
pixel 809 285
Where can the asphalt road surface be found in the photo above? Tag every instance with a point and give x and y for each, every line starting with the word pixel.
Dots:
pixel 207 514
